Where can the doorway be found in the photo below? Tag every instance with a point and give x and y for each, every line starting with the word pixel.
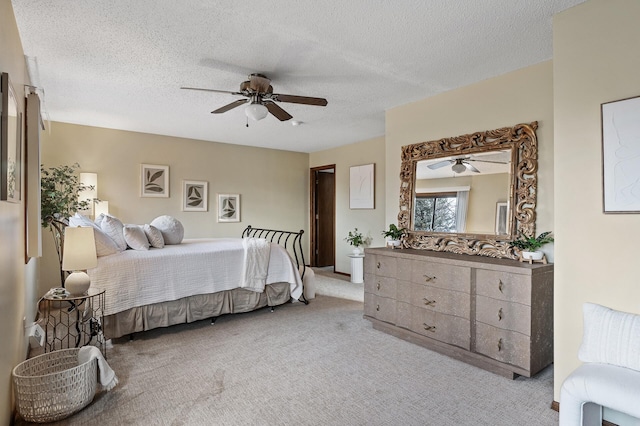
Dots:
pixel 323 200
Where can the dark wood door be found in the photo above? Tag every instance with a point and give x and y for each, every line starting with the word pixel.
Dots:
pixel 325 208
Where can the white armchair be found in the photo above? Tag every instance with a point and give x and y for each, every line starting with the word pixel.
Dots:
pixel 610 375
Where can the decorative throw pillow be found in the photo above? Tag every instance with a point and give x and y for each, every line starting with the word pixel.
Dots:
pixel 135 237
pixel 113 227
pixel 610 337
pixel 104 244
pixel 99 219
pixel 154 236
pixel 170 227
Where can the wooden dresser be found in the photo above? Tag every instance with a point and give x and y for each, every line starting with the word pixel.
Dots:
pixel 496 314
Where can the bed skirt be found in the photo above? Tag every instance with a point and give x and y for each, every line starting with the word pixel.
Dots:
pixel 193 308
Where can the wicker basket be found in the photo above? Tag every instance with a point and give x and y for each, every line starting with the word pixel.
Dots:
pixel 53 386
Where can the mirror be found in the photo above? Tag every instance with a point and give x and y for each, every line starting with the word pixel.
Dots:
pixel 470 194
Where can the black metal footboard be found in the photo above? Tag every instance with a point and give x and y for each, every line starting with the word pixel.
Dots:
pixel 290 240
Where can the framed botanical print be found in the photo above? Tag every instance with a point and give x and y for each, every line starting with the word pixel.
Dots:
pixel 154 180
pixel 228 207
pixel 194 196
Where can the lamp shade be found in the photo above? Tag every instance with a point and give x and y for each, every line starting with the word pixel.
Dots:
pixel 101 207
pixel 256 111
pixel 79 249
pixel 89 179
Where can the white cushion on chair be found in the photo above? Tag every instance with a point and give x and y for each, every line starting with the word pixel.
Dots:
pixel 610 337
pixel 606 385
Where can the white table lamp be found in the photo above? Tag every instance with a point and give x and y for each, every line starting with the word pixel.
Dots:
pixel 79 255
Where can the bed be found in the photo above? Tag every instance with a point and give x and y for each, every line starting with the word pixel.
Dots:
pixel 197 279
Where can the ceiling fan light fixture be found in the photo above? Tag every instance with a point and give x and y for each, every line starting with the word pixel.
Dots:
pixel 256 111
pixel 458 167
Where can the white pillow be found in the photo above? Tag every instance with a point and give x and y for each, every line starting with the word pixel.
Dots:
pixel 99 219
pixel 154 236
pixel 104 244
pixel 610 337
pixel 113 227
pixel 170 227
pixel 135 237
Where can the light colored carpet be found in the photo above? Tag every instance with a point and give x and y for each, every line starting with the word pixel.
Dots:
pixel 319 364
pixel 335 285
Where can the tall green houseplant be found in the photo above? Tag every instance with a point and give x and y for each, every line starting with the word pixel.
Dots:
pixel 59 190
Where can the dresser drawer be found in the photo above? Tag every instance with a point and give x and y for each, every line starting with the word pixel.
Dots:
pixel 441 275
pixel 380 286
pixel 503 345
pixel 505 315
pixel 504 286
pixel 384 266
pixel 445 328
pixel 440 300
pixel 380 308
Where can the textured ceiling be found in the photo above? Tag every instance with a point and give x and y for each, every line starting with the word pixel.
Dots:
pixel 120 63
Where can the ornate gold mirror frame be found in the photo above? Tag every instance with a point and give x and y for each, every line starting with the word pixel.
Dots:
pixel 521 139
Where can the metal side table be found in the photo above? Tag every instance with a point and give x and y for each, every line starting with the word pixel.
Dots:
pixel 74 321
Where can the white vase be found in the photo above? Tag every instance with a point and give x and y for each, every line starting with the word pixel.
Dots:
pixel 357 251
pixel 532 255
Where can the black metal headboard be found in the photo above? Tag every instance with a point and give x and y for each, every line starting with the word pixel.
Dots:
pixel 290 240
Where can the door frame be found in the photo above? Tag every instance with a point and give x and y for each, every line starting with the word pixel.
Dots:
pixel 312 210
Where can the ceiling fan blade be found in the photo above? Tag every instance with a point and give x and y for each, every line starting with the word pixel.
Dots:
pixel 278 112
pixel 212 90
pixel 471 167
pixel 232 105
pixel 299 99
pixel 439 164
pixel 487 161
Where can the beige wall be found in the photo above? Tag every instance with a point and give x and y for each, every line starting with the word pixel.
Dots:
pixel 272 184
pixel 369 222
pixel 17 280
pixel 521 96
pixel 595 61
pixel 486 191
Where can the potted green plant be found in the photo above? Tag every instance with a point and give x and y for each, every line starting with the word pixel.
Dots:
pixel 59 190
pixel 355 239
pixel 394 234
pixel 530 246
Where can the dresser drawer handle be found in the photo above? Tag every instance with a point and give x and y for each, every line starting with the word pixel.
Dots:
pixel 378 286
pixel 431 328
pixel 429 302
pixel 427 278
pixel 378 265
pixel 500 286
pixel 377 307
pixel 500 314
pixel 499 345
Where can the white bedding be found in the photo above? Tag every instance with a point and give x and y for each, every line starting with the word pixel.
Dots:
pixel 135 278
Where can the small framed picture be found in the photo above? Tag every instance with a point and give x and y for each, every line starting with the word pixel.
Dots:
pixel 502 218
pixel 194 196
pixel 154 181
pixel 362 187
pixel 228 207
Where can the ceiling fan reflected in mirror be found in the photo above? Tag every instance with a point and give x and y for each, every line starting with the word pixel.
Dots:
pixel 460 165
pixel 261 100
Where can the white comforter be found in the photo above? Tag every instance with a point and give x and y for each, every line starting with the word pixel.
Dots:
pixel 135 278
